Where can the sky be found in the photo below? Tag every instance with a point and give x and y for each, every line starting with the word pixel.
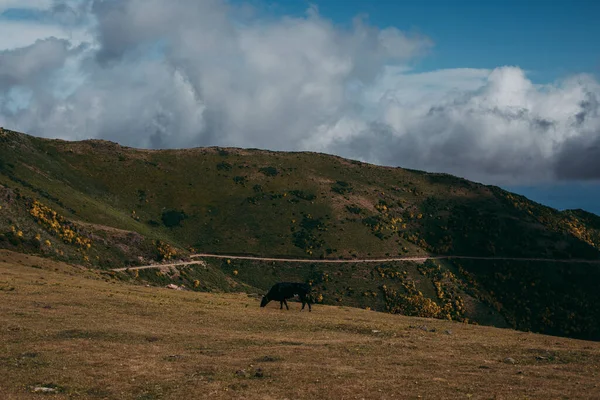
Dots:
pixel 548 38
pixel 500 92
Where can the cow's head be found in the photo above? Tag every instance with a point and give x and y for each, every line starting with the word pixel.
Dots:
pixel 265 300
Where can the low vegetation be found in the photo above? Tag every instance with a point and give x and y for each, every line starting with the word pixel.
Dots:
pixel 97 204
pixel 70 332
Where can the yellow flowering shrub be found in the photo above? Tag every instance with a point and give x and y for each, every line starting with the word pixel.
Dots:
pixel 58 226
pixel 410 301
pixel 165 250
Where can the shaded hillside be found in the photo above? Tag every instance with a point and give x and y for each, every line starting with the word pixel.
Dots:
pixel 99 204
pixel 300 204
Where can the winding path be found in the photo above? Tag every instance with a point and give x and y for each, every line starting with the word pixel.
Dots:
pixel 177 264
pixel 338 261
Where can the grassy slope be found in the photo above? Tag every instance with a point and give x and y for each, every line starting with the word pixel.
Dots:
pixel 558 299
pixel 94 338
pixel 104 183
pixel 306 205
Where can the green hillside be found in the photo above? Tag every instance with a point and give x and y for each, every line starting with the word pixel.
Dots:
pixel 99 204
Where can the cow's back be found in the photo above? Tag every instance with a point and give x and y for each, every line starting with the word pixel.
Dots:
pixel 283 290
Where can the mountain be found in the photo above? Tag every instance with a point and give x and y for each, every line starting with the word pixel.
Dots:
pixel 102 205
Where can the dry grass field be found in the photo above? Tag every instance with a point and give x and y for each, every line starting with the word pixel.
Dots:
pixel 67 332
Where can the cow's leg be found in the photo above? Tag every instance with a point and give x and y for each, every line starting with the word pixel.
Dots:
pixel 281 305
pixel 285 302
pixel 303 299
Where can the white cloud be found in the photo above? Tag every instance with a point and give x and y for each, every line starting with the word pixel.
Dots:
pixel 15 34
pixel 28 5
pixel 151 73
pixel 61 19
pixel 495 126
pixel 23 66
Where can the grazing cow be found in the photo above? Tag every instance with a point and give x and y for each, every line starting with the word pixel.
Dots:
pixel 286 290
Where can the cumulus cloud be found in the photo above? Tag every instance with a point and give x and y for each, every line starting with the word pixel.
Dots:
pixel 24 23
pixel 31 4
pixel 151 73
pixel 495 126
pixel 24 65
pixel 193 73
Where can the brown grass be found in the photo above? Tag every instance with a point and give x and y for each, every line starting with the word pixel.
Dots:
pixel 94 337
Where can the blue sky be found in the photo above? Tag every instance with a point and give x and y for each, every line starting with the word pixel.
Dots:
pixel 548 38
pixel 500 92
pixel 567 195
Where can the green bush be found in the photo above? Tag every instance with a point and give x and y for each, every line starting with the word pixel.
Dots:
pixel 269 171
pixel 342 187
pixel 303 195
pixel 172 218
pixel 224 166
pixel 354 209
pixel 240 180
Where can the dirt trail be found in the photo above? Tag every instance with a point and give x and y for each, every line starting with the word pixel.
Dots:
pixel 177 264
pixel 372 260
pixel 413 258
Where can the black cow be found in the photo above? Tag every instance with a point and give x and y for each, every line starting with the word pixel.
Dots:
pixel 286 290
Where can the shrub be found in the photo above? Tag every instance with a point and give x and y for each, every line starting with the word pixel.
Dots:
pixel 57 225
pixel 354 209
pixel 253 199
pixel 269 171
pixel 224 166
pixel 341 187
pixel 305 238
pixel 303 195
pixel 240 180
pixel 172 218
pixel 165 251
pixel 371 221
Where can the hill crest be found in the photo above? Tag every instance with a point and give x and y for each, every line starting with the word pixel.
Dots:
pixel 167 204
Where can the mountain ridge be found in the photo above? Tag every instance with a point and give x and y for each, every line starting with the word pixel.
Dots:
pixel 102 205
